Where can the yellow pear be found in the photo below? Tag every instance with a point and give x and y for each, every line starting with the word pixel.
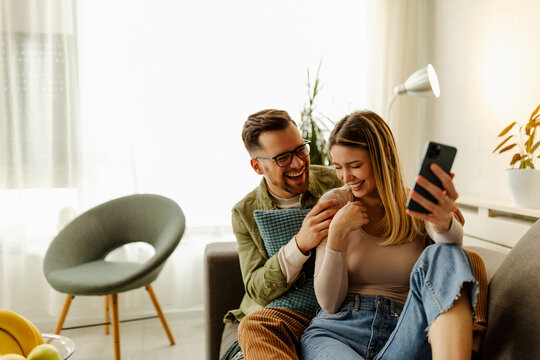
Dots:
pixel 44 352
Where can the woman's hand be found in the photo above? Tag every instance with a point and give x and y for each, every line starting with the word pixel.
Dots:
pixel 350 217
pixel 441 213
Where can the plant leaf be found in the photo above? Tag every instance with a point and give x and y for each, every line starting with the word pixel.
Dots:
pixel 530 126
pixel 311 120
pixel 529 142
pixel 533 149
pixel 515 159
pixel 535 111
pixel 501 144
pixel 507 129
pixel 507 148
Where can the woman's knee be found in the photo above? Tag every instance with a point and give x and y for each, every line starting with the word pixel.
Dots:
pixel 441 265
pixel 449 255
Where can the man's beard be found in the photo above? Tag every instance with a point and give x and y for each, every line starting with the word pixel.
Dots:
pixel 293 189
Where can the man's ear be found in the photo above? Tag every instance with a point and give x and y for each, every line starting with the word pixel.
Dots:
pixel 256 166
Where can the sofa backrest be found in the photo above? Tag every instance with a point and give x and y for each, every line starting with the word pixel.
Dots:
pixel 513 330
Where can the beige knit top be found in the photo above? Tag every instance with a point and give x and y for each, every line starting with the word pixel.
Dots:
pixel 366 268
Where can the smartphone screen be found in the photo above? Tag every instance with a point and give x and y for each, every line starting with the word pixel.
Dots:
pixel 442 155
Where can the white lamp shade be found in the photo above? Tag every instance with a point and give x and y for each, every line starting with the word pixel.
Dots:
pixel 423 82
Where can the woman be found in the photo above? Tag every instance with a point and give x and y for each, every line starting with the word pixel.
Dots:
pixel 384 293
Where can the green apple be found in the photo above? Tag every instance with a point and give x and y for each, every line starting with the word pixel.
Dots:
pixel 12 357
pixel 44 352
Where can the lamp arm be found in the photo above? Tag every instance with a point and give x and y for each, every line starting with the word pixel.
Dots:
pixel 390 107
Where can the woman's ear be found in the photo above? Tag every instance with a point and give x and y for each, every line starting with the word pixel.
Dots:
pixel 256 166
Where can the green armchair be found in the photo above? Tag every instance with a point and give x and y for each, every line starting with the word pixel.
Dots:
pixel 75 261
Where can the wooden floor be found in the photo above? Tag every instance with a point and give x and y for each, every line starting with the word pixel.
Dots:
pixel 141 340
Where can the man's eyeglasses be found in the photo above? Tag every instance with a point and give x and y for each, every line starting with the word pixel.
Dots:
pixel 285 159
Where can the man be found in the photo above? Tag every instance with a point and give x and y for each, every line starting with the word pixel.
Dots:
pixel 281 156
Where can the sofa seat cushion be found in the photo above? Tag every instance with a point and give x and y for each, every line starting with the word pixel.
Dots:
pixel 229 336
pixel 492 259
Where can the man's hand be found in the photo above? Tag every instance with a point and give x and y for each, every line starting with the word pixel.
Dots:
pixel 315 226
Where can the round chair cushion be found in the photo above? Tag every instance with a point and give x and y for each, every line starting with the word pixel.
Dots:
pixel 98 277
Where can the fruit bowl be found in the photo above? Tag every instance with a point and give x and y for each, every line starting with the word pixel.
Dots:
pixel 64 345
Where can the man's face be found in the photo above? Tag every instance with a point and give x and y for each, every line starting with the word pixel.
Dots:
pixel 284 182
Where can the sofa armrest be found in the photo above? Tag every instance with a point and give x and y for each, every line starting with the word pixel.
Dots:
pixel 224 290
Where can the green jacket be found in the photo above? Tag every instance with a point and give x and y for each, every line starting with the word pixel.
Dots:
pixel 263 278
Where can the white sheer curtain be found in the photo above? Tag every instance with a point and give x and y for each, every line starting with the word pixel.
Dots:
pixel 400 46
pixel 160 91
pixel 39 134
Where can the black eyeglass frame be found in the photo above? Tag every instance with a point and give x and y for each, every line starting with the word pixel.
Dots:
pixel 291 153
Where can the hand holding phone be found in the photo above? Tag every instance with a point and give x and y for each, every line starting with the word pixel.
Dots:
pixel 442 155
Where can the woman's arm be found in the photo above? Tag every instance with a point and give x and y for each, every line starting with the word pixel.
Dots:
pixel 331 277
pixel 454 235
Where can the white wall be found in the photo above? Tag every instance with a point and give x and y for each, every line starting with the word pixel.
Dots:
pixel 487 56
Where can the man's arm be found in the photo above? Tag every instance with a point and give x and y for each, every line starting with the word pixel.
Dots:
pixel 263 278
pixel 316 224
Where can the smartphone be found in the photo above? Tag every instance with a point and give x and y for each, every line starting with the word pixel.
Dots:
pixel 442 155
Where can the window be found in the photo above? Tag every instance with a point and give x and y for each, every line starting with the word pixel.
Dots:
pixel 38 112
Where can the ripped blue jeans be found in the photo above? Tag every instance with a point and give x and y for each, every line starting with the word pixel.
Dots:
pixel 374 327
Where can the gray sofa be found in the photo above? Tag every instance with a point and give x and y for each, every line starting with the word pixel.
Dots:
pixel 513 301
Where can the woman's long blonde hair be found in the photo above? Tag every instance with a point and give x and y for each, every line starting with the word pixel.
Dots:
pixel 367 130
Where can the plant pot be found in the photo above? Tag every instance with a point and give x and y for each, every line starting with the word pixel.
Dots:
pixel 525 187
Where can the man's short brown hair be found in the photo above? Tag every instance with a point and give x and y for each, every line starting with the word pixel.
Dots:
pixel 262 121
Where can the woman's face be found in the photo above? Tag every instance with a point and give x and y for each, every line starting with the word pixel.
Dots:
pixel 353 167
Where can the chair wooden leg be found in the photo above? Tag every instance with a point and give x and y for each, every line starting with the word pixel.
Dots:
pixel 115 325
pixel 63 314
pixel 107 318
pixel 160 313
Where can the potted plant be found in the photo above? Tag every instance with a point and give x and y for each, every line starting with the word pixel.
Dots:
pixel 523 177
pixel 312 123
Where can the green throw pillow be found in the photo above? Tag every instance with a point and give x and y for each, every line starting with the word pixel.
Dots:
pixel 277 227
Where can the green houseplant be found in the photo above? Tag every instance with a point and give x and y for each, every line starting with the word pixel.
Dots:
pixel 524 139
pixel 523 177
pixel 312 123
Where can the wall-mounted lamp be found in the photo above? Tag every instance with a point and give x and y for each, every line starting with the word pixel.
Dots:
pixel 423 82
